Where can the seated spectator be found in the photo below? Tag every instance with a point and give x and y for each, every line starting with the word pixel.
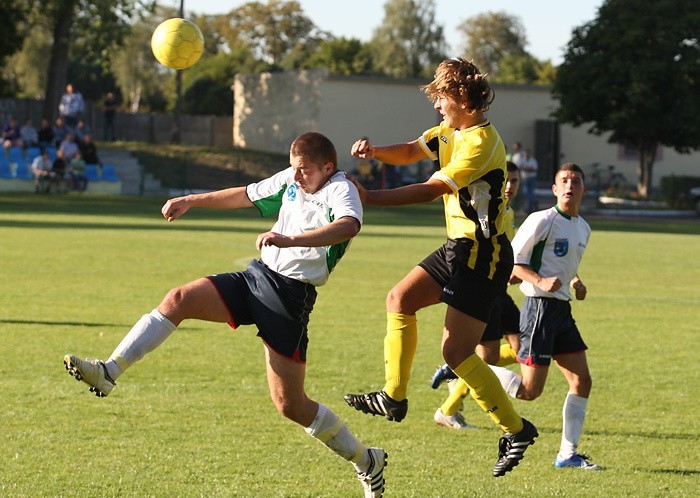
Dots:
pixel 88 150
pixel 69 147
pixel 43 173
pixel 76 168
pixel 81 129
pixel 60 130
pixel 29 134
pixel 46 134
pixel 60 170
pixel 10 135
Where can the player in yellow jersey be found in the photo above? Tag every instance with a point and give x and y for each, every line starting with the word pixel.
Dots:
pixel 504 322
pixel 470 270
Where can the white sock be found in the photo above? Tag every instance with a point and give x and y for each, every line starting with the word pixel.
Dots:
pixel 328 429
pixel 509 380
pixel 574 413
pixel 146 335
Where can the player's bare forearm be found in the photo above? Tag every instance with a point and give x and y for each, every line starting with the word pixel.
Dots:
pixel 336 232
pixel 527 274
pixel 579 288
pixel 416 193
pixel 397 154
pixel 230 198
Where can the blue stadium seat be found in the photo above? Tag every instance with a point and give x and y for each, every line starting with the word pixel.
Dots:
pixel 52 152
pixel 109 174
pixel 92 172
pixel 33 153
pixel 16 153
pixel 22 171
pixel 4 168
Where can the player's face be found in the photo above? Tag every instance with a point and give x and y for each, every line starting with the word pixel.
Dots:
pixel 310 176
pixel 569 189
pixel 452 111
pixel 512 184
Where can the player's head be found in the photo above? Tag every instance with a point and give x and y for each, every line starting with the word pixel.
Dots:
pixel 461 80
pixel 512 181
pixel 314 160
pixel 569 188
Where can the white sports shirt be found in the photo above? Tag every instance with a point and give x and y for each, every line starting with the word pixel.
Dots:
pixel 298 212
pixel 552 244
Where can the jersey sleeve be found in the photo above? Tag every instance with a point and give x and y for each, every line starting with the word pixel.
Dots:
pixel 266 195
pixel 529 240
pixel 345 201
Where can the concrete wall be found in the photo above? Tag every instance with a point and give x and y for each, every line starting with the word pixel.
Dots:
pixel 271 109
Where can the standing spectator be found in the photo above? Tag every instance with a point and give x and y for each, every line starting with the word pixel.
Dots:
pixel 110 110
pixel 43 172
pixel 516 155
pixel 46 134
pixel 71 106
pixel 76 168
pixel 10 135
pixel 88 150
pixel 29 134
pixel 69 147
pixel 60 130
pixel 528 166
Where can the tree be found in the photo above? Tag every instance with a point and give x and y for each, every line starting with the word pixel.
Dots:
pixel 103 24
pixel 634 72
pixel 342 56
pixel 13 26
pixel 524 69
pixel 491 38
pixel 409 43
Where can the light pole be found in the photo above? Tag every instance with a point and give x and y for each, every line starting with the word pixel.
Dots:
pixel 175 138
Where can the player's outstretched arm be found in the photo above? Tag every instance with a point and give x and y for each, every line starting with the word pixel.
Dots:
pixel 230 198
pixel 527 274
pixel 397 154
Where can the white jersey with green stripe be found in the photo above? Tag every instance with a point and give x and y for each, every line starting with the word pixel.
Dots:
pixel 299 212
pixel 552 244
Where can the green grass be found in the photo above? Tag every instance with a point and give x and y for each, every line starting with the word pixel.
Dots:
pixel 194 417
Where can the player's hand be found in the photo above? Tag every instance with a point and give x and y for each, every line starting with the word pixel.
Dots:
pixel 272 239
pixel 580 290
pixel 360 188
pixel 549 284
pixel 174 208
pixel 513 280
pixel 362 148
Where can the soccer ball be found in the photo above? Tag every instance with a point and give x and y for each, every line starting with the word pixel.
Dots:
pixel 177 43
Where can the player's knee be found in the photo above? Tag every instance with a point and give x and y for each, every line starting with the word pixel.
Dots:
pixel 174 298
pixel 529 392
pixel 488 355
pixel 396 302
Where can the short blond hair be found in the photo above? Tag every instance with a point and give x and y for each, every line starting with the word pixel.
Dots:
pixel 461 80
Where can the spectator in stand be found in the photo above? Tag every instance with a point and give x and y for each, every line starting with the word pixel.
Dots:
pixel 46 134
pixel 60 130
pixel 69 147
pixel 76 168
pixel 29 134
pixel 10 135
pixel 88 150
pixel 81 129
pixel 71 106
pixel 60 168
pixel 110 110
pixel 43 173
pixel 516 155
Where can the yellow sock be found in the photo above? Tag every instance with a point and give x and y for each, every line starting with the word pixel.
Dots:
pixel 454 400
pixel 508 356
pixel 399 348
pixel 486 390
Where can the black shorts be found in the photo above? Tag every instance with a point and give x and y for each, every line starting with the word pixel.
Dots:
pixel 547 329
pixel 505 319
pixel 471 290
pixel 279 306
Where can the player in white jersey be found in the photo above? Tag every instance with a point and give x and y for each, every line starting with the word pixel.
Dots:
pixel 548 248
pixel 318 212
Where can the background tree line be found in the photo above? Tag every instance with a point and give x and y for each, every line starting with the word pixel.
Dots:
pixel 631 72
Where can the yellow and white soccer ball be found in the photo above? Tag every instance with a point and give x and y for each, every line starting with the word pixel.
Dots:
pixel 177 43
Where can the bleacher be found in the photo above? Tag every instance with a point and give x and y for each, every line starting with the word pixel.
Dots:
pixel 16 174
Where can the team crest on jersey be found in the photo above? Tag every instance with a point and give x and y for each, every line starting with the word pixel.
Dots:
pixel 292 192
pixel 444 138
pixel 561 247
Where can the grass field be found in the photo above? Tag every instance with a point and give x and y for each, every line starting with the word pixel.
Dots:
pixel 194 417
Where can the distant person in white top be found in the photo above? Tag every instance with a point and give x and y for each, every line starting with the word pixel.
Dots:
pixel 318 212
pixel 548 248
pixel 71 107
pixel 527 165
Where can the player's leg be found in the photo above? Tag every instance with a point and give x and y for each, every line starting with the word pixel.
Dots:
pixel 285 379
pixel 415 291
pixel 574 366
pixel 198 299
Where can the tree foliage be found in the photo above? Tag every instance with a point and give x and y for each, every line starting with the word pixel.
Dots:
pixel 408 43
pixel 14 29
pixel 342 56
pixel 634 72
